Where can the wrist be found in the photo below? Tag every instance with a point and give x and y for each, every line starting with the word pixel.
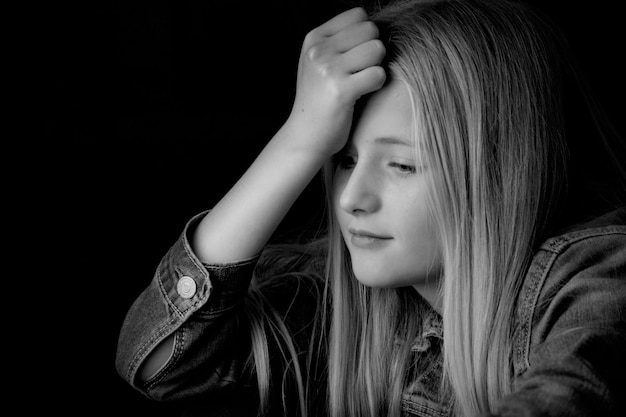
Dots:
pixel 317 140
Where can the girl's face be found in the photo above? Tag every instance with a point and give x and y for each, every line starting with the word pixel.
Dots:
pixel 379 197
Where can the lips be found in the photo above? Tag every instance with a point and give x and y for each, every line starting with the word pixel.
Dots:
pixel 367 234
pixel 364 239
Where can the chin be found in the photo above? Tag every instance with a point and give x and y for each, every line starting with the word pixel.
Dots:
pixel 370 282
pixel 375 278
pixel 372 279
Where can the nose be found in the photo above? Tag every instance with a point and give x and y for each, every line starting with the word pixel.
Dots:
pixel 359 192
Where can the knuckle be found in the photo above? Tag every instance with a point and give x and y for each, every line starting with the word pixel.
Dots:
pixel 325 69
pixel 320 61
pixel 314 53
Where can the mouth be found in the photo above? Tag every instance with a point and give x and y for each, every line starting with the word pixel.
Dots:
pixel 367 240
pixel 367 234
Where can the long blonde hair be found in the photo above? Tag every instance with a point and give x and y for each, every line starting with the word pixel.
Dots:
pixel 485 79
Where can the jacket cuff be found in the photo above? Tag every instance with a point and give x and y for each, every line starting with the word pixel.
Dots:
pixel 190 285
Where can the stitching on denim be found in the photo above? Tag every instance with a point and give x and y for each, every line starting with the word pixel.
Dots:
pixel 554 247
pixel 533 296
pixel 560 243
pixel 200 267
pixel 409 405
pixel 191 307
pixel 217 313
pixel 167 297
pixel 430 369
pixel 159 375
pixel 238 264
pixel 160 332
pixel 192 257
pixel 143 348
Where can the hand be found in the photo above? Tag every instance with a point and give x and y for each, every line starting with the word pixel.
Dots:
pixel 339 63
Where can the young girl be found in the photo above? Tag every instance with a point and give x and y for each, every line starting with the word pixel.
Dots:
pixel 475 255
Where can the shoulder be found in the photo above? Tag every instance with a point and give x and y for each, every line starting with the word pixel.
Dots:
pixel 591 234
pixel 575 280
pixel 595 251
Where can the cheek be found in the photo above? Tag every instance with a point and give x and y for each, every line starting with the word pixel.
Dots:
pixel 424 243
pixel 418 227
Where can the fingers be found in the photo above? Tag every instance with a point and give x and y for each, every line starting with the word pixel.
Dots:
pixel 344 56
pixel 352 47
pixel 354 35
pixel 341 21
pixel 367 81
pixel 339 63
pixel 370 53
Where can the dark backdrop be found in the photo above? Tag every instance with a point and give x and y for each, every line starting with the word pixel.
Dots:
pixel 152 110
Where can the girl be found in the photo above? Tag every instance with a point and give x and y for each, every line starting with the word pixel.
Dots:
pixel 475 255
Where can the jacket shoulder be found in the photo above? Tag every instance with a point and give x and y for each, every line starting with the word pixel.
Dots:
pixel 575 280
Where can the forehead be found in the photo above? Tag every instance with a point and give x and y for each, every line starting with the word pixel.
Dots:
pixel 386 116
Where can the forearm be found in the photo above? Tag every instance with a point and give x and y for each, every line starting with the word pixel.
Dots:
pixel 245 218
pixel 339 63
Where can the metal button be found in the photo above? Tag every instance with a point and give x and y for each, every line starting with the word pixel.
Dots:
pixel 186 287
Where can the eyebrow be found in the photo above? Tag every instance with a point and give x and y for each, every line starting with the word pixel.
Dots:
pixel 392 140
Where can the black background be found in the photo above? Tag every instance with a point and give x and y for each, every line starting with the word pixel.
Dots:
pixel 151 111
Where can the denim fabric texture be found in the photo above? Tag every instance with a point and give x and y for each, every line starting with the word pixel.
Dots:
pixel 569 345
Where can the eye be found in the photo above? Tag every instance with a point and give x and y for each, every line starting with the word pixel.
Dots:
pixel 345 161
pixel 404 169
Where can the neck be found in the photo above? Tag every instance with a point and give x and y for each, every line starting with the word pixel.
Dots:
pixel 429 290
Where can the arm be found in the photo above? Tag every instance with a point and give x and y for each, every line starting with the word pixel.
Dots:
pixel 338 64
pixel 574 364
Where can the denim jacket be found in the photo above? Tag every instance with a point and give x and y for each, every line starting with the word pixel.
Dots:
pixel 569 343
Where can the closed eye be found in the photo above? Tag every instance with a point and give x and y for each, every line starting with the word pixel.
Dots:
pixel 345 161
pixel 404 169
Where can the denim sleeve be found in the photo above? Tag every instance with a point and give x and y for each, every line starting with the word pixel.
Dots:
pixel 201 305
pixel 573 355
